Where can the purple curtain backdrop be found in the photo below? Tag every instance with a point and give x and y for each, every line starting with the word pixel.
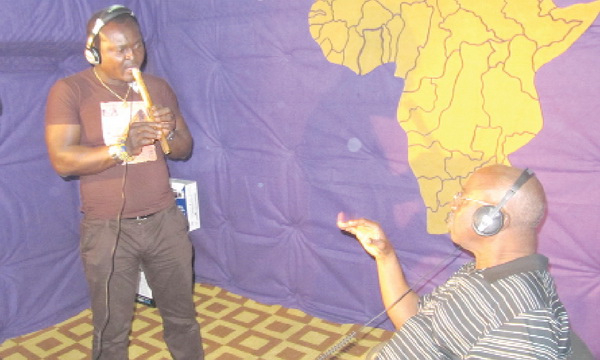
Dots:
pixel 283 141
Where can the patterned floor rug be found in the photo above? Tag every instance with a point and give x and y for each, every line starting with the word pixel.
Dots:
pixel 233 328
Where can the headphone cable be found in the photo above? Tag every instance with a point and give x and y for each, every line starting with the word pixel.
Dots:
pixel 420 282
pixel 113 252
pixel 112 264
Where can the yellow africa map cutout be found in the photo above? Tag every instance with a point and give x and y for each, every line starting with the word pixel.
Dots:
pixel 469 97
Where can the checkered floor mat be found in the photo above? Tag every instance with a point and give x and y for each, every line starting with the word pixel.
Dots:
pixel 233 328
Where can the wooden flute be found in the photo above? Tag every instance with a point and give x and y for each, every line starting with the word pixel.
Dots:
pixel 137 75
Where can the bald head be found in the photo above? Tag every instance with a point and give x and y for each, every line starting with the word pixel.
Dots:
pixel 526 209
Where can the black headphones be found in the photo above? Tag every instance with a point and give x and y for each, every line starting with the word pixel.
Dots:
pixel 92 55
pixel 488 220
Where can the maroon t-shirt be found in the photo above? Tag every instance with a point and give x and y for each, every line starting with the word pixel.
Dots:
pixel 137 188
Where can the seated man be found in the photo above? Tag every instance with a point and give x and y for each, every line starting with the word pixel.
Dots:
pixel 503 305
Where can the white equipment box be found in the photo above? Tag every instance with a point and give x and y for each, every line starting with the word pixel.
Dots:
pixel 186 197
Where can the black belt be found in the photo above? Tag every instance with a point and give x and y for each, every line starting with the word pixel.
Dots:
pixel 140 218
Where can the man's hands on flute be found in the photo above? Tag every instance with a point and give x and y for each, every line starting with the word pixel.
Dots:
pixel 142 133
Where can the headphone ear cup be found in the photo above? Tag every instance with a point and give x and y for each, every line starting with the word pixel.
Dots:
pixel 92 56
pixel 488 220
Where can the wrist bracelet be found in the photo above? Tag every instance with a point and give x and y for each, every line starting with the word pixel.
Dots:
pixel 119 153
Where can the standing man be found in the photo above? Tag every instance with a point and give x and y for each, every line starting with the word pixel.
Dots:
pixel 503 305
pixel 97 128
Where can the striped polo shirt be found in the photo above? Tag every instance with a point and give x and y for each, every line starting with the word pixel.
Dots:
pixel 509 311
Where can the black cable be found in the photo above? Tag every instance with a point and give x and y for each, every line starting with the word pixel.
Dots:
pixel 113 251
pixel 346 340
pixel 112 264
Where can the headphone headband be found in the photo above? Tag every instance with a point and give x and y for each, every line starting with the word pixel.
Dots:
pixel 525 175
pixel 103 18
